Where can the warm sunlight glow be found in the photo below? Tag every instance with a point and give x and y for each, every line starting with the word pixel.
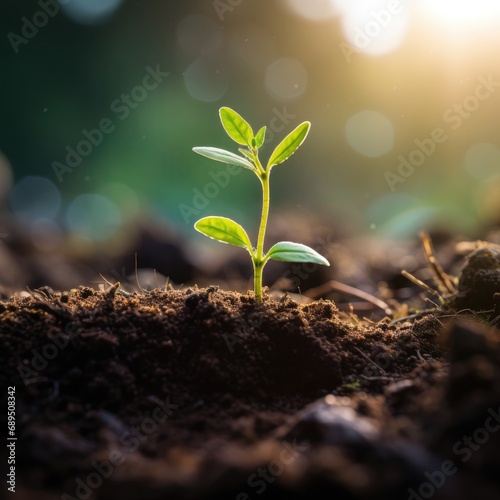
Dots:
pixel 373 27
pixel 314 10
pixel 463 13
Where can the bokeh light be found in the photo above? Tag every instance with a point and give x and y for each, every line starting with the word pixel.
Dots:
pixel 370 133
pixel 399 215
pixel 286 78
pixel 314 10
pixel 46 235
pixel 374 27
pixel 93 217
pixel 90 11
pixel 482 161
pixel 409 223
pixel 462 13
pixel 124 197
pixel 35 198
pixel 380 211
pixel 205 80
pixel 488 200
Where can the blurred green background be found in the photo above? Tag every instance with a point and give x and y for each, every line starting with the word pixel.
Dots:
pixel 404 100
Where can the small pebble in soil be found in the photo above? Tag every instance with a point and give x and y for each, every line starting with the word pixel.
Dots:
pixel 332 420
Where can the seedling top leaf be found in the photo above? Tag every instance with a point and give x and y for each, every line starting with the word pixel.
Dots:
pixel 226 230
pixel 236 127
pixel 289 145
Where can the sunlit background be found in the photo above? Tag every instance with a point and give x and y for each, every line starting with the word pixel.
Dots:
pixel 102 101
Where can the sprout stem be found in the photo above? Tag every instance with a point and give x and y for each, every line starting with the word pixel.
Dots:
pixel 259 261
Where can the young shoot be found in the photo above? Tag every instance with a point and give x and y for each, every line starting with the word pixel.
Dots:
pixel 226 230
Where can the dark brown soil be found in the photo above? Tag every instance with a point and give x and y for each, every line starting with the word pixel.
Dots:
pixel 207 394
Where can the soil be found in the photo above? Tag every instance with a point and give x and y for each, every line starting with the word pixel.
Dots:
pixel 203 393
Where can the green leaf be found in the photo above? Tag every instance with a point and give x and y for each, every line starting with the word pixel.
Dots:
pixel 224 230
pixel 287 251
pixel 236 127
pixel 289 144
pixel 260 137
pixel 223 156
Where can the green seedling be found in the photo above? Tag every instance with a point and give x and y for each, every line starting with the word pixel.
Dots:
pixel 226 230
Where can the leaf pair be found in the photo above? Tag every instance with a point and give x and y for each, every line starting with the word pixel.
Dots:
pixel 238 129
pixel 227 231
